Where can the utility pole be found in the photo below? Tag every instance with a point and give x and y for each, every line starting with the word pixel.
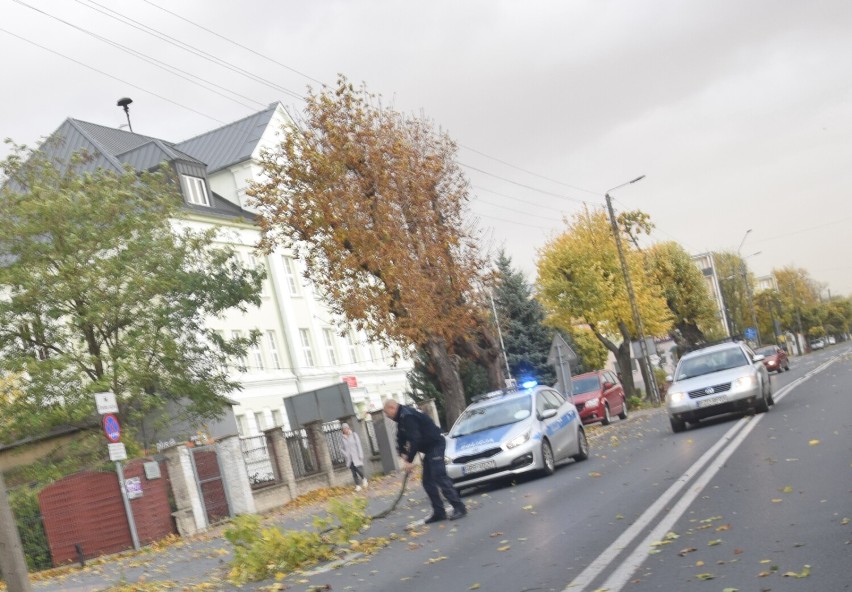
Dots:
pixel 634 308
pixel 12 561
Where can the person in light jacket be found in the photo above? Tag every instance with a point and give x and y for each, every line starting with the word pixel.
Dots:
pixel 354 455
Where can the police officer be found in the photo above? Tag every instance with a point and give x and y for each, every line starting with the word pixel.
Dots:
pixel 416 432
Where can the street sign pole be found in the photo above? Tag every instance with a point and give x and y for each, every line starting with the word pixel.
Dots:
pixel 119 470
pixel 107 407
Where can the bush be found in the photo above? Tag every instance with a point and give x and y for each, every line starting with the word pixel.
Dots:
pixel 24 503
pixel 261 553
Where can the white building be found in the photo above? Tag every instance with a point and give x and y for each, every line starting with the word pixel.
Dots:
pixel 300 349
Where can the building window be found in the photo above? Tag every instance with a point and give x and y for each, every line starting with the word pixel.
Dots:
pixel 242 426
pixel 353 347
pixel 291 276
pixel 328 335
pixel 307 350
pixel 257 356
pixel 195 190
pixel 273 349
pixel 277 418
pixel 260 421
pixel 241 361
pixel 257 264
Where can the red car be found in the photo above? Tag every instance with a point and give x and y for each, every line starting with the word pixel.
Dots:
pixel 598 396
pixel 774 358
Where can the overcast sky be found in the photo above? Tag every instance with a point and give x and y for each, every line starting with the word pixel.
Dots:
pixel 739 112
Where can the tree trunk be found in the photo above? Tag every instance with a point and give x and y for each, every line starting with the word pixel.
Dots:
pixel 483 348
pixel 622 358
pixel 447 371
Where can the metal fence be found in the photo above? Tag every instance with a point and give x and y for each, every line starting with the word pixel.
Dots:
pixel 258 461
pixel 371 437
pixel 334 437
pixel 302 455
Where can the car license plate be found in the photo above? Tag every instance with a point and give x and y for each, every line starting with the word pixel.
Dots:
pixel 710 401
pixel 478 467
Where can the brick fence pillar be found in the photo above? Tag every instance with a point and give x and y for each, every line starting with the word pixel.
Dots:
pixel 320 444
pixel 281 459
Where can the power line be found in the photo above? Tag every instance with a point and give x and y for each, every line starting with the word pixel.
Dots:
pixel 494 158
pixel 229 40
pixel 185 46
pixel 568 197
pixel 158 63
pixel 480 188
pixel 130 84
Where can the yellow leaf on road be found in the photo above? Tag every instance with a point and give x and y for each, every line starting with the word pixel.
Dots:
pixel 786 489
pixel 806 571
pixel 527 508
pixel 777 500
pixel 474 586
pixel 714 543
pixel 813 442
pixel 504 548
pixel 594 474
pixel 705 576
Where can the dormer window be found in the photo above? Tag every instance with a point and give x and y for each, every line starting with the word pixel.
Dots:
pixel 195 190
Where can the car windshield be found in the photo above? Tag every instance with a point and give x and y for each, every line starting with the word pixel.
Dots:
pixel 585 384
pixel 766 351
pixel 710 362
pixel 501 413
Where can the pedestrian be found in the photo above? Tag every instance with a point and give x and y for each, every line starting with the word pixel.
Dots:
pixel 354 455
pixel 416 432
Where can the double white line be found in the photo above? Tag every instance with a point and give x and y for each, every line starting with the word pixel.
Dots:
pixel 718 454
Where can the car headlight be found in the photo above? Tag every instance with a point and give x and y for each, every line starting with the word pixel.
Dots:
pixel 518 440
pixel 745 381
pixel 676 397
pixel 592 402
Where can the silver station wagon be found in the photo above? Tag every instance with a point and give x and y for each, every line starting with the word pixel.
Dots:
pixel 715 380
pixel 514 431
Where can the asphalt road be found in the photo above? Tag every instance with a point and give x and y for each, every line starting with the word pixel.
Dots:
pixel 746 500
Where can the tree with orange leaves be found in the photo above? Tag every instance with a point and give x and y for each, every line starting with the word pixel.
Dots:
pixel 373 202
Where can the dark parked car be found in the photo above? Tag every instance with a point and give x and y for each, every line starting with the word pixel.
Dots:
pixel 774 358
pixel 598 396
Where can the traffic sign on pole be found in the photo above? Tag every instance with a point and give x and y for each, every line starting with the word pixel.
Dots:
pixel 112 428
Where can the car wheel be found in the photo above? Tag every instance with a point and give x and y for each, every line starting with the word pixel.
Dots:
pixel 547 458
pixel 762 405
pixel 583 445
pixel 787 368
pixel 623 414
pixel 607 418
pixel 678 425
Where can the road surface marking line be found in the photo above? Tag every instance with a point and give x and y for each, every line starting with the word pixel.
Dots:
pixel 634 561
pixel 603 560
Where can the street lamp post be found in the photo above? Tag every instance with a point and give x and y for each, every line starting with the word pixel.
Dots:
pixel 748 285
pixel 634 308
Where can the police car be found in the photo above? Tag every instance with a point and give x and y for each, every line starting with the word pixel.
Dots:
pixel 514 431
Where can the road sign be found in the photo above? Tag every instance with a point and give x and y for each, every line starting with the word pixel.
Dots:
pixel 112 428
pixel 750 333
pixel 117 451
pixel 106 403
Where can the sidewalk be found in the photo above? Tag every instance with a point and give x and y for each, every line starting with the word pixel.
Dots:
pixel 202 562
